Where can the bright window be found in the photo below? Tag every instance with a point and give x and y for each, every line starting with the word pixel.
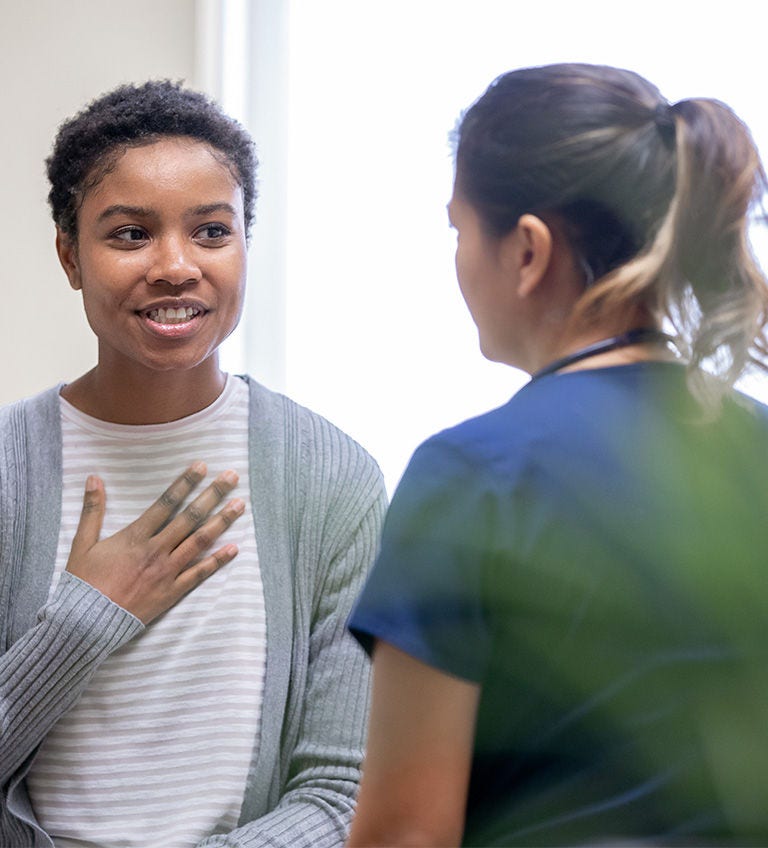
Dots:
pixel 354 309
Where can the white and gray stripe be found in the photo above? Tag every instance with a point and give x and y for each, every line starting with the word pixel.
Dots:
pixel 157 749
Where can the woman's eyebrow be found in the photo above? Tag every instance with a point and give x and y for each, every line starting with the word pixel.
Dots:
pixel 122 209
pixel 144 212
pixel 210 208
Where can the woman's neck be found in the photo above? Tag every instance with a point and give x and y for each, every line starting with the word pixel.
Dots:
pixel 564 337
pixel 640 344
pixel 145 398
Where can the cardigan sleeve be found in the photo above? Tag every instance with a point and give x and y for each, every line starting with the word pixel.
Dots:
pixel 336 548
pixel 45 671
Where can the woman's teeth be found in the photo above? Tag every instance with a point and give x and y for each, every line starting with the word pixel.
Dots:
pixel 173 316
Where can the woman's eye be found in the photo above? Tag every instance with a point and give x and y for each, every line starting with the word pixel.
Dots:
pixel 130 234
pixel 212 232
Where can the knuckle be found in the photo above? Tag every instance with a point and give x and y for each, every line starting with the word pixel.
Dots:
pixel 169 499
pixel 202 572
pixel 194 514
pixel 91 503
pixel 221 558
pixel 203 539
pixel 133 537
pixel 219 488
pixel 152 559
pixel 190 478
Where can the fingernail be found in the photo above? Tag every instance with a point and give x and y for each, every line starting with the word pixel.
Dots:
pixel 237 505
pixel 198 468
pixel 92 483
pixel 230 477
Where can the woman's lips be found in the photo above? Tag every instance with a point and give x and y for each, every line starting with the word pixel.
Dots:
pixel 173 315
pixel 172 322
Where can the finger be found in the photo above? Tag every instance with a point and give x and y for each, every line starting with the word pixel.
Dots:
pixel 190 578
pixel 195 514
pixel 205 536
pixel 158 514
pixel 91 517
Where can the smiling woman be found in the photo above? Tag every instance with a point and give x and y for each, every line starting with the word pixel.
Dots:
pixel 160 257
pixel 159 698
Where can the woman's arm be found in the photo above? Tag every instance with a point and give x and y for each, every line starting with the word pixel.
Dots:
pixel 416 770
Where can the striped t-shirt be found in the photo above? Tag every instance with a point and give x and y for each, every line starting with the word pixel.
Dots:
pixel 156 752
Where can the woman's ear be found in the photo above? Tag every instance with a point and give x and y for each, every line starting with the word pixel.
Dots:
pixel 67 251
pixel 530 251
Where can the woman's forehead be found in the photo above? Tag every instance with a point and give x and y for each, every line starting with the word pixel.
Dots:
pixel 162 152
pixel 166 167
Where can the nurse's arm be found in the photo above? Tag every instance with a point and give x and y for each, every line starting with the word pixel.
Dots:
pixel 416 770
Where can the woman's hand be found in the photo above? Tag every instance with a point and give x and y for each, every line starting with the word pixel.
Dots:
pixel 153 562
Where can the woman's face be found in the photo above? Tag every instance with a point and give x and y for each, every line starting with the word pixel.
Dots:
pixel 160 257
pixel 485 282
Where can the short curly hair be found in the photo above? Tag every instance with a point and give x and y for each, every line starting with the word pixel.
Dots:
pixel 88 145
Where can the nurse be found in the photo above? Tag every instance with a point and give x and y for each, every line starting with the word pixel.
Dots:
pixel 567 613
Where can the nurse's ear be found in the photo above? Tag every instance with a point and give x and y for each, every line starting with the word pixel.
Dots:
pixel 66 248
pixel 527 252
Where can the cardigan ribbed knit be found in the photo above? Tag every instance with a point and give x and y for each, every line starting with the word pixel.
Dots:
pixel 318 501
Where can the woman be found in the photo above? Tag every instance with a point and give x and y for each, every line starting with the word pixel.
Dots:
pixel 160 698
pixel 568 609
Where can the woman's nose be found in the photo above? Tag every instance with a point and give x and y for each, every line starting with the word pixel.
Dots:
pixel 173 263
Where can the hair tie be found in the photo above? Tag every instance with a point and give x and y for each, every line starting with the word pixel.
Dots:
pixel 664 118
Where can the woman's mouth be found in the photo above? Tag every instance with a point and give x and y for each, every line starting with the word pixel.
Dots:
pixel 173 315
pixel 173 322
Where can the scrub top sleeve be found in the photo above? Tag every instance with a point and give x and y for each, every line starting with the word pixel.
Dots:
pixel 425 593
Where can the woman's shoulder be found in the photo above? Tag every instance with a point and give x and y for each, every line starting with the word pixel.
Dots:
pixel 307 443
pixel 39 410
pixel 505 428
pixel 546 417
pixel 272 410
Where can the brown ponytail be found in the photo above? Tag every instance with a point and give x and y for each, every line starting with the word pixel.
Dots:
pixel 720 181
pixel 699 271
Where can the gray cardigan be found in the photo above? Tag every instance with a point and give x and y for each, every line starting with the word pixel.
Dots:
pixel 318 501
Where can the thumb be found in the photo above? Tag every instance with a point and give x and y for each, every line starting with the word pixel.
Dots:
pixel 91 517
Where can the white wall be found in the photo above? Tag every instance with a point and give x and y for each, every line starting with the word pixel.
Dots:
pixel 54 57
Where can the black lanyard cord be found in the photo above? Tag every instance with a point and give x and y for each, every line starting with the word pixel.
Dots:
pixel 640 335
